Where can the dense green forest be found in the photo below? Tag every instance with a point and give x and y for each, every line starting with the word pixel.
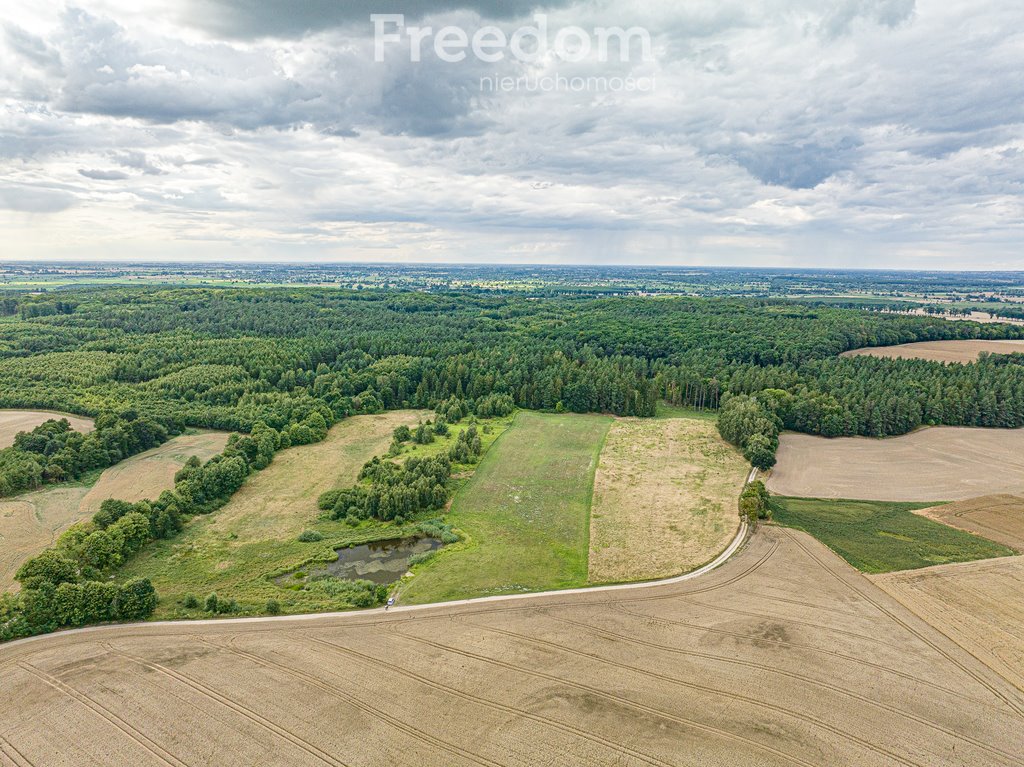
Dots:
pixel 281 365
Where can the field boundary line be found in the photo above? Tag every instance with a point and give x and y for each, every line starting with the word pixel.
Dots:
pixel 736 543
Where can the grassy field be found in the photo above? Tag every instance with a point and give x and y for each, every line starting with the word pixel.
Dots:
pixel 148 474
pixel 524 514
pixel 665 497
pixel 882 536
pixel 239 549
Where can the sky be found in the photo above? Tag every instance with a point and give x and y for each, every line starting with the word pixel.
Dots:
pixel 813 133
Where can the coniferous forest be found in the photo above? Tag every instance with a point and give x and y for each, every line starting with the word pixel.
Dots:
pixel 279 366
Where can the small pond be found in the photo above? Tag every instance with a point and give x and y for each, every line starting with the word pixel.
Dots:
pixel 381 562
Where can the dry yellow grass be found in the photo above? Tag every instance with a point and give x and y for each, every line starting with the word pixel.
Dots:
pixel 13 421
pixel 278 502
pixel 148 474
pixel 940 351
pixel 665 498
pixel 977 604
pixel 936 464
pixel 784 656
pixel 30 522
pixel 999 518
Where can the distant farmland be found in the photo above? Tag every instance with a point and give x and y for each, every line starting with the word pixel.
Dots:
pixel 940 351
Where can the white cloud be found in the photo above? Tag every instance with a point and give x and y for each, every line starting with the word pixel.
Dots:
pixel 873 133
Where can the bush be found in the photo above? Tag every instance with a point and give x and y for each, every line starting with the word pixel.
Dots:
pixel 273 607
pixel 310 536
pixel 754 501
pixel 212 603
pixel 191 602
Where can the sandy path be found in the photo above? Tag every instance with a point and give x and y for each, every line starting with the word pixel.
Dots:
pixel 783 655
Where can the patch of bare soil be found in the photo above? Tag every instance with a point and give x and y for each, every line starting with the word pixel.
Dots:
pixel 935 464
pixel 783 656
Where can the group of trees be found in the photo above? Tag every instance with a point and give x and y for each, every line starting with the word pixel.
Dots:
pixel 391 491
pixel 68 584
pixel 54 452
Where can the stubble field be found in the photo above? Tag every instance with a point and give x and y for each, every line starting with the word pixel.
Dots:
pixel 14 421
pixel 978 604
pixel 665 498
pixel 783 656
pixel 934 464
pixel 997 517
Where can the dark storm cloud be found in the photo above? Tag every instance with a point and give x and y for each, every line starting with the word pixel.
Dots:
pixel 797 165
pixel 290 18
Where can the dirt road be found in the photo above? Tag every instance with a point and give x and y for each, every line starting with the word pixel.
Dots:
pixel 784 655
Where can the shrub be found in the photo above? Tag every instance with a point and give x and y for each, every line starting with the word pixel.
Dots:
pixel 310 536
pixel 191 602
pixel 212 603
pixel 273 607
pixel 754 501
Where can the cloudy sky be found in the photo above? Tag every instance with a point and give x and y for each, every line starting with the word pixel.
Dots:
pixel 872 133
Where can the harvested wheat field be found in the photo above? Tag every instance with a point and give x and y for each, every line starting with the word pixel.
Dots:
pixel 999 518
pixel 940 351
pixel 148 474
pixel 977 604
pixel 783 656
pixel 32 521
pixel 14 421
pixel 665 498
pixel 935 464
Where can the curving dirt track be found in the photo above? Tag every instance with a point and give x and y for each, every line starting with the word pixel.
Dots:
pixel 782 656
